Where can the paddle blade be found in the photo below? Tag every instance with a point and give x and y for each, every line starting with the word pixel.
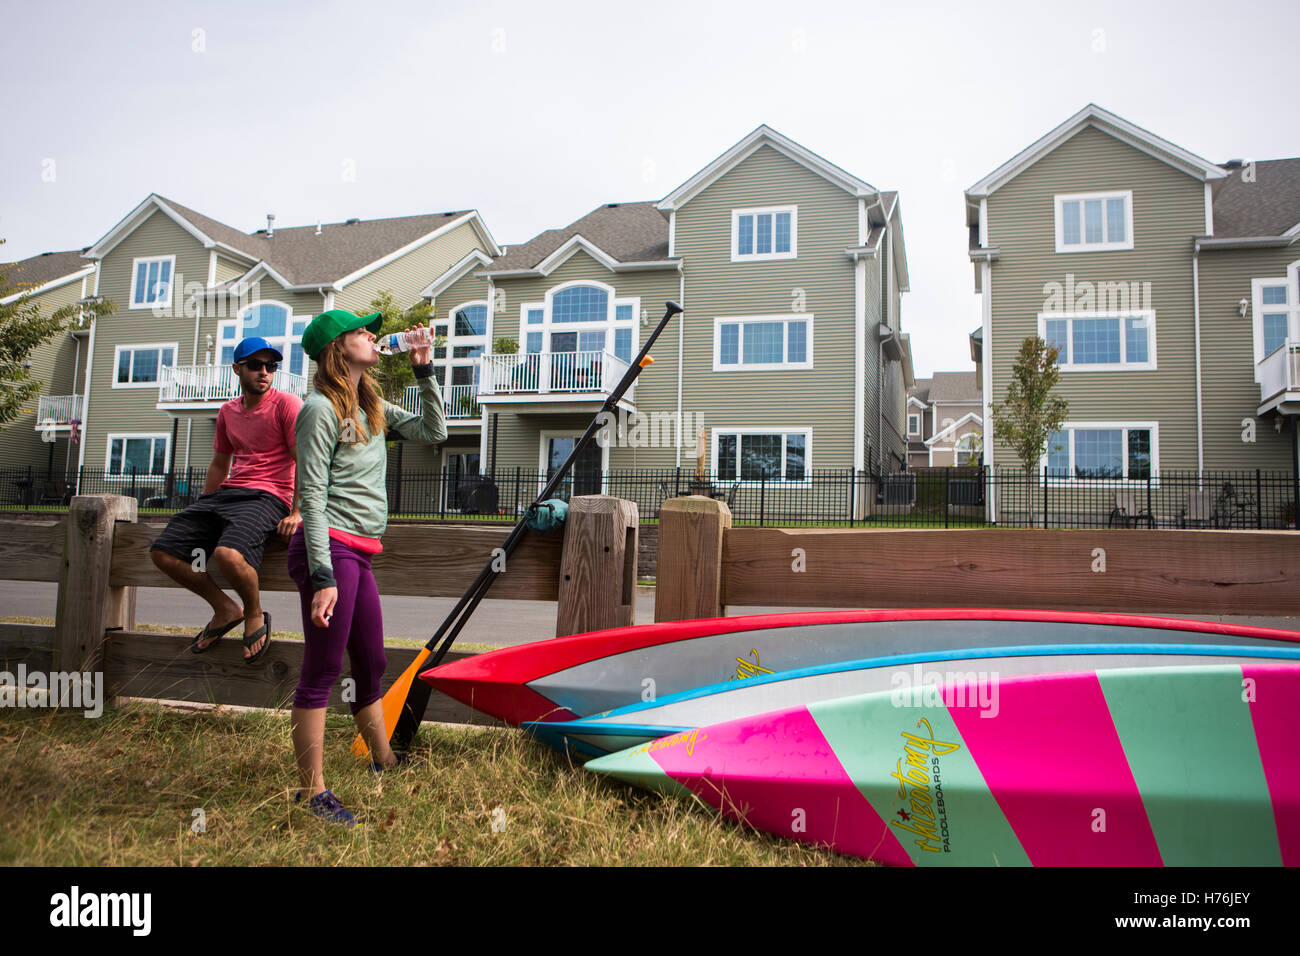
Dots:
pixel 395 701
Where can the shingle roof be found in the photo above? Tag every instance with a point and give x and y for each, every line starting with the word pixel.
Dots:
pixel 1269 206
pixel 954 387
pixel 44 268
pixel 630 232
pixel 920 391
pixel 304 258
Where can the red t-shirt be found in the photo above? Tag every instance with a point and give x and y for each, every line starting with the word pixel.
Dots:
pixel 260 440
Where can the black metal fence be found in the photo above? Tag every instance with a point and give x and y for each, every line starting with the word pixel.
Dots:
pixel 929 498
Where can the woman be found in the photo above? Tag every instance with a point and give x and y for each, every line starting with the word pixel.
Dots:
pixel 342 464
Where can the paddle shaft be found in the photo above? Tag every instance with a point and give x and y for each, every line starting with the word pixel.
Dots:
pixel 418 695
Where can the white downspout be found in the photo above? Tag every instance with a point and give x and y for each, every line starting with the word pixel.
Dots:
pixel 681 332
pixel 1196 326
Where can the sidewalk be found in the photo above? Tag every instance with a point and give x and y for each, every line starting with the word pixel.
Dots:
pixel 494 622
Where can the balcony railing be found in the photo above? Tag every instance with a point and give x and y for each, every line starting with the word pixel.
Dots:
pixel 460 401
pixel 545 372
pixel 1280 371
pixel 58 409
pixel 180 384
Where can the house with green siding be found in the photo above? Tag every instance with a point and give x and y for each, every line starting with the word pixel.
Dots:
pixel 44 436
pixel 789 359
pixel 1169 283
pixel 188 288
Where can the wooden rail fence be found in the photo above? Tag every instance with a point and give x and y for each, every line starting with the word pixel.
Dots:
pixel 99 555
pixel 706 565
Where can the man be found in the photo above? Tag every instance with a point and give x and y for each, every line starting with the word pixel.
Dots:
pixel 249 494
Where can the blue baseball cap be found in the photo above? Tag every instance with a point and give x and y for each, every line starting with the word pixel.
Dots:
pixel 254 344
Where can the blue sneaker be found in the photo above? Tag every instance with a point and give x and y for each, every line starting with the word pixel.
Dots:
pixel 327 807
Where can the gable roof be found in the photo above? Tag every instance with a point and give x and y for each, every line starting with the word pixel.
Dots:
pixel 765 136
pixel 471 259
pixel 920 391
pixel 296 256
pixel 618 234
pixel 945 434
pixel 954 387
pixel 1268 205
pixel 1107 122
pixel 29 275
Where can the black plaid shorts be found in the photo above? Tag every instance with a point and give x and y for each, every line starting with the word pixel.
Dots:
pixel 238 518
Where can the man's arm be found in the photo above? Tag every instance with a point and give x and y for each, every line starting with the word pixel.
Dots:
pixel 218 471
pixel 290 522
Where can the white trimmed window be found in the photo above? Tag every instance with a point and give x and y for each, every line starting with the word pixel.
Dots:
pixel 752 454
pixel 581 316
pixel 1101 341
pixel 765 233
pixel 137 454
pixel 767 342
pixel 140 366
pixel 1275 312
pixel 1092 222
pixel 151 282
pixel 1118 451
pixel 913 424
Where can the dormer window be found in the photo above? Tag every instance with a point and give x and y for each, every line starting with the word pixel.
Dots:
pixel 1093 222
pixel 761 234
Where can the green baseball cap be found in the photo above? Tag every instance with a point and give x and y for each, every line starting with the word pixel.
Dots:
pixel 328 326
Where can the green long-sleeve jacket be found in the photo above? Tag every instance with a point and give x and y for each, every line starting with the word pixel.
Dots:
pixel 342 482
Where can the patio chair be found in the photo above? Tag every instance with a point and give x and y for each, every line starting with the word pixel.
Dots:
pixel 1199 511
pixel 1126 514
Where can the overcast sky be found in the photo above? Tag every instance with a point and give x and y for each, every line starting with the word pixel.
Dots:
pixel 535 113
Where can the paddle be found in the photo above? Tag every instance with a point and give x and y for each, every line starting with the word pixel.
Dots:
pixel 405 702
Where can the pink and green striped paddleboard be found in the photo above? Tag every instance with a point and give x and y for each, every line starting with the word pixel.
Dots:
pixel 1181 766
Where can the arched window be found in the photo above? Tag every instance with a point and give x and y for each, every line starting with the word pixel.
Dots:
pixel 580 303
pixel 273 322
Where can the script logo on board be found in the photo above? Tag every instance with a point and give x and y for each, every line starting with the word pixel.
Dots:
pixel 919 786
pixel 745 669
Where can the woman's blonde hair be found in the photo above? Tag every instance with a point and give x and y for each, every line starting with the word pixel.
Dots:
pixel 333 381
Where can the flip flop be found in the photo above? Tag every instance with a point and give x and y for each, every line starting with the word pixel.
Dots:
pixel 210 632
pixel 251 639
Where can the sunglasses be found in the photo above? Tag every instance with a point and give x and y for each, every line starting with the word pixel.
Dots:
pixel 256 365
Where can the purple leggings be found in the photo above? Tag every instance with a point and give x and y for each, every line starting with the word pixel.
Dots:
pixel 357 625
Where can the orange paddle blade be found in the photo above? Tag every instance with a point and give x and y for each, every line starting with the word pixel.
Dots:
pixel 393 701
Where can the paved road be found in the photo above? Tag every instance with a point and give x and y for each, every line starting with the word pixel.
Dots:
pixel 494 622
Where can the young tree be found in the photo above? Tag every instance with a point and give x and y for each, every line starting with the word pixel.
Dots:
pixel 1026 420
pixel 24 327
pixel 393 373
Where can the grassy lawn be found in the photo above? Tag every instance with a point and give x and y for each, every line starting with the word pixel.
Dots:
pixel 122 790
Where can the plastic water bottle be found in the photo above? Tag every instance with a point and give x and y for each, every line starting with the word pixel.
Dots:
pixel 403 341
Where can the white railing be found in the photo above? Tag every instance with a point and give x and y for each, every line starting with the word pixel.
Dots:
pixel 1280 371
pixel 460 401
pixel 543 372
pixel 214 383
pixel 58 409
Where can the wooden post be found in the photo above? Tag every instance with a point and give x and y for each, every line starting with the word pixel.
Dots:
pixel 688 581
pixel 598 565
pixel 87 606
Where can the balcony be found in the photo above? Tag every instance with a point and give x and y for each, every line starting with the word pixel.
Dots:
pixel 554 381
pixel 200 390
pixel 1279 379
pixel 57 412
pixel 460 401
